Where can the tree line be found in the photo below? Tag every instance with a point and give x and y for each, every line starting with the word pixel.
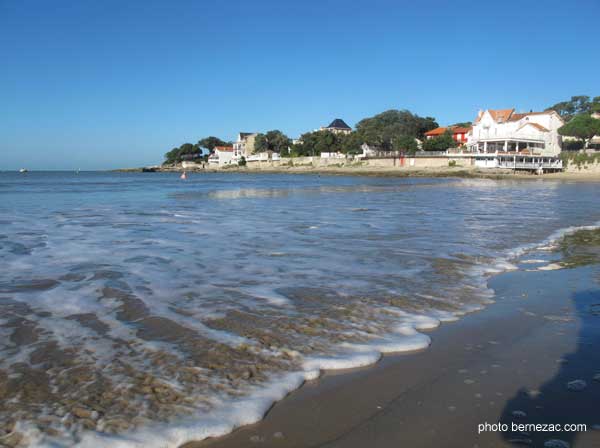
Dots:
pixel 190 151
pixel 390 130
pixel 579 114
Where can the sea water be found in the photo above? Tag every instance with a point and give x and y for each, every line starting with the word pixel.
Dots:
pixel 142 310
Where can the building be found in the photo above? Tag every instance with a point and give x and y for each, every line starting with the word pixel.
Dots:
pixel 506 131
pixel 244 145
pixel 595 141
pixel 223 155
pixel 338 126
pixel 459 133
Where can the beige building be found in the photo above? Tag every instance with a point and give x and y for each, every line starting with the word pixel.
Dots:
pixel 244 146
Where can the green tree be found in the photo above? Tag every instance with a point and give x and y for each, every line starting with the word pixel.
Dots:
pixel 275 141
pixel 350 143
pixel 187 151
pixel 583 127
pixel 579 104
pixel 381 129
pixel 211 143
pixel 441 143
pixel 596 104
pixel 171 156
pixel 462 124
pixel 314 143
pixel 405 143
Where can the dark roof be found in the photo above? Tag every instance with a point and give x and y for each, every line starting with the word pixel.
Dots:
pixel 338 123
pixel 246 134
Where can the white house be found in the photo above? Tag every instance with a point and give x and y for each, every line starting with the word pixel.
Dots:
pixel 265 156
pixel 596 139
pixel 506 131
pixel 223 155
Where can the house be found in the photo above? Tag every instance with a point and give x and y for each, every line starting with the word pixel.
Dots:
pixel 244 145
pixel 595 142
pixel 333 155
pixel 459 133
pixel 338 126
pixel 506 131
pixel 223 155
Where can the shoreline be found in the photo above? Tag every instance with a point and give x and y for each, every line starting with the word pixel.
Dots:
pixel 456 172
pixel 445 391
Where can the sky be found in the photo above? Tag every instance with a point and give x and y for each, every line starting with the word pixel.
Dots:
pixel 107 84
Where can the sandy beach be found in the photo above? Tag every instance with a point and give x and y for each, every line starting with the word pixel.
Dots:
pixel 532 357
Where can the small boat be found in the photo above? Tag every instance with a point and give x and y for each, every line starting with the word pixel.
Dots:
pixel 23 170
pixel 183 176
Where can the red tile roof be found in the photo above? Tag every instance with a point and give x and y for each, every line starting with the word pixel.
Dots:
pixel 498 115
pixel 501 114
pixel 436 131
pixel 441 130
pixel 224 148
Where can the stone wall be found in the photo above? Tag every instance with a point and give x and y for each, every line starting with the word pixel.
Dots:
pixel 390 163
pixel 592 168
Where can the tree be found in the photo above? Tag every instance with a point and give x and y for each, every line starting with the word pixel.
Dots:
pixel 583 127
pixel 314 143
pixel 381 129
pixel 441 143
pixel 171 156
pixel 211 143
pixel 462 124
pixel 187 151
pixel 579 104
pixel 405 143
pixel 275 141
pixel 350 143
pixel 596 104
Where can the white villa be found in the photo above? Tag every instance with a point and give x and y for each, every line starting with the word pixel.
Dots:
pixel 223 155
pixel 506 131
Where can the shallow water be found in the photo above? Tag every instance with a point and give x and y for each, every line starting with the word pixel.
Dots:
pixel 132 299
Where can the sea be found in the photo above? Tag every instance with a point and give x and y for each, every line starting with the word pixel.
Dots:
pixel 140 309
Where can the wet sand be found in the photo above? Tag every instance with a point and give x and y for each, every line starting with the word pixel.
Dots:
pixel 512 362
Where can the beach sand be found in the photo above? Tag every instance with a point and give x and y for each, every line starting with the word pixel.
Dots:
pixel 517 361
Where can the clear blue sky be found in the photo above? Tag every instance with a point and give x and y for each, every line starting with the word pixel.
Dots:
pixel 103 84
